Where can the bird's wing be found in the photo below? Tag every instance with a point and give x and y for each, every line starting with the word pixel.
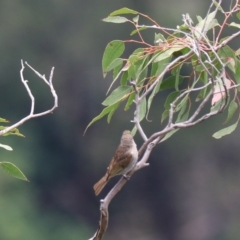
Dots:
pixel 119 163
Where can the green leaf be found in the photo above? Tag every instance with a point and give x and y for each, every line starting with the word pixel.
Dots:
pixel 4 120
pixel 238 15
pixel 218 6
pixel 177 79
pixel 124 79
pixel 130 101
pixel 113 51
pixel 216 106
pixel 237 73
pixel 135 60
pixel 134 69
pixel 104 112
pixel 137 30
pixel 182 103
pixel 158 37
pixel 117 95
pixel 135 19
pixel 203 93
pixel 170 82
pixel 115 63
pixel 153 94
pixel 206 24
pixel 123 11
pixel 134 130
pixel 228 56
pixel 183 114
pixel 13 131
pixel 226 52
pixel 231 110
pixel 112 112
pixel 115 19
pixel 143 109
pixel 138 65
pixel 117 71
pixel 13 170
pixel 168 135
pixel 233 24
pixel 136 56
pixel 156 69
pixel 237 53
pixel 164 115
pixel 170 98
pixel 168 53
pixel 225 131
pixel 142 69
pixel 6 147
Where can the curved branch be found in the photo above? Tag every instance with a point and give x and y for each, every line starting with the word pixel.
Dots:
pixel 32 114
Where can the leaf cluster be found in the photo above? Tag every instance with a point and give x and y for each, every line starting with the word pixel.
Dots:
pixel 8 167
pixel 214 67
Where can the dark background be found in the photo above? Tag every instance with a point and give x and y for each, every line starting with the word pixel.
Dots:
pixel 191 190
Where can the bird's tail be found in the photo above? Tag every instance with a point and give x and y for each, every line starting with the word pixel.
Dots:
pixel 100 184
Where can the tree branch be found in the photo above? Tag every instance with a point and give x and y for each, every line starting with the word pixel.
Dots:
pixel 32 114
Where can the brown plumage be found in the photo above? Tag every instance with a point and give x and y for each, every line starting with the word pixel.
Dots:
pixel 123 161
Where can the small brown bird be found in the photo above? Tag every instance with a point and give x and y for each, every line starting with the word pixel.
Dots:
pixel 123 161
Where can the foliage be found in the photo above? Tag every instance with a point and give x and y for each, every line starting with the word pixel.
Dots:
pixel 213 66
pixel 210 87
pixel 8 167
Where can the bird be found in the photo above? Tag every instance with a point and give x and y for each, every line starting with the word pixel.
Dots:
pixel 123 161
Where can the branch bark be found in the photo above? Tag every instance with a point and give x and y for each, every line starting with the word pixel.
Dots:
pixel 25 83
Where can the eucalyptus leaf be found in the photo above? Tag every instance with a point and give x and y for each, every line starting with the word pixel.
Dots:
pixel 165 114
pixel 233 24
pixel 130 101
pixel 115 63
pixel 4 120
pixel 233 106
pixel 123 11
pixel 115 19
pixel 112 112
pixel 169 134
pixel 170 82
pixel 117 95
pixel 237 72
pixel 170 98
pixel 113 50
pixel 225 131
pixel 124 79
pixel 13 170
pixel 206 24
pixel 104 112
pixel 143 109
pixel 6 147
pixel 137 30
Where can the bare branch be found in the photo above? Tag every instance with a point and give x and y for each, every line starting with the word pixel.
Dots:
pixel 32 114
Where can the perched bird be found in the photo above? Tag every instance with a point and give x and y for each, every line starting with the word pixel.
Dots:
pixel 123 161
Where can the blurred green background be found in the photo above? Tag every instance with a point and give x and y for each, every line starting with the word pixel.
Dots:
pixel 191 190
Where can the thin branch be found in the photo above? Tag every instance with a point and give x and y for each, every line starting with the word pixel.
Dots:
pixel 32 114
pixel 136 119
